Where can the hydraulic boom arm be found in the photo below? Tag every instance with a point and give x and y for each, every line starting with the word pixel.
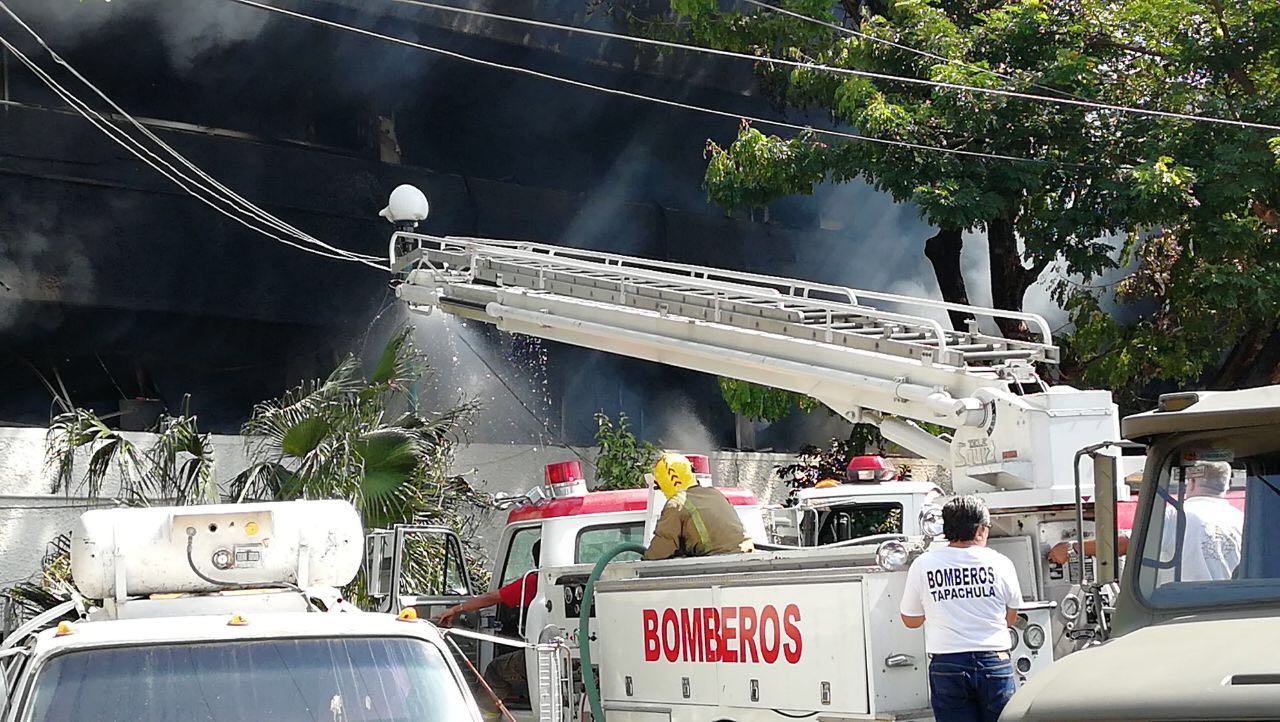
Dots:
pixel 870 365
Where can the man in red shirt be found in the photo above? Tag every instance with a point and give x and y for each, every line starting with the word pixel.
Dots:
pixel 506 675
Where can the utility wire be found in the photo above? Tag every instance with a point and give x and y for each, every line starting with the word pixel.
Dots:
pixel 841 71
pixel 900 46
pixel 122 138
pixel 648 98
pixel 248 206
pixel 146 156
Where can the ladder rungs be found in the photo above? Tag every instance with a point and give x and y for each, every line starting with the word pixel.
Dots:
pixel 758 303
pixel 997 355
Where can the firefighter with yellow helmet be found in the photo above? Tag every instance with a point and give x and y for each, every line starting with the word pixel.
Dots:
pixel 697 520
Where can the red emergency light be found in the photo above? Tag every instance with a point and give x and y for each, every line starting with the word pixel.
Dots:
pixel 870 468
pixel 701 463
pixel 564 472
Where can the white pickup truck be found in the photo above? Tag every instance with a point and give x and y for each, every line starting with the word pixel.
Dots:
pixel 226 613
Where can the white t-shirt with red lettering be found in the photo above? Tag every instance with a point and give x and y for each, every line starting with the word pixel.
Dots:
pixel 963 594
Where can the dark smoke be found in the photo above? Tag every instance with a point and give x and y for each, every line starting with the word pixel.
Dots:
pixel 131 289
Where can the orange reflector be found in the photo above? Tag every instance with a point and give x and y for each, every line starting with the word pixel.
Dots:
pixel 64 628
pixel 237 621
pixel 408 615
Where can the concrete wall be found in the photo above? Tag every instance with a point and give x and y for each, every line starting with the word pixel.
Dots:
pixel 32 512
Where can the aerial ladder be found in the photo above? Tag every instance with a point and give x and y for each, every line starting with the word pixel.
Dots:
pixel 1013 437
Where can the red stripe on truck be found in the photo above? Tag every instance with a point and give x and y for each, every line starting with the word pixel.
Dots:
pixel 729 635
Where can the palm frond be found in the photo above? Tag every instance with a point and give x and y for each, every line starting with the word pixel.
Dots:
pixel 26 600
pixel 180 463
pixel 401 364
pixel 264 480
pixel 80 430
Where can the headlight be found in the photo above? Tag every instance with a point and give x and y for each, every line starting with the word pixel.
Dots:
pixel 931 521
pixel 892 556
pixel 1013 638
pixel 1034 636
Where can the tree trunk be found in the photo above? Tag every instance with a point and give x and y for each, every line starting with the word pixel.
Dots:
pixel 1255 359
pixel 1010 279
pixel 943 252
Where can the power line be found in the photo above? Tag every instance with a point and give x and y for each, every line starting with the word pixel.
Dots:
pixel 151 159
pixel 648 98
pixel 135 147
pixel 248 206
pixel 900 46
pixel 841 71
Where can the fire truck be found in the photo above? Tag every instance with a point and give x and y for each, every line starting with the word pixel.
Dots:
pixel 871 357
pixel 227 612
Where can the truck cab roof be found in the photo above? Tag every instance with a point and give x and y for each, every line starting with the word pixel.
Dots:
pixel 1200 410
pixel 878 489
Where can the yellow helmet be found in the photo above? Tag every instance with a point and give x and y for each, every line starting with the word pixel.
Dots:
pixel 673 474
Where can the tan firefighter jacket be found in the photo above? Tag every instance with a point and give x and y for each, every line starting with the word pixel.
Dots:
pixel 696 522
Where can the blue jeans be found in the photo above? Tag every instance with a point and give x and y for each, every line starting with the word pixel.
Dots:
pixel 970 686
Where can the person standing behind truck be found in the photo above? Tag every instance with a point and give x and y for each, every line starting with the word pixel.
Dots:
pixel 697 520
pixel 1211 533
pixel 966 597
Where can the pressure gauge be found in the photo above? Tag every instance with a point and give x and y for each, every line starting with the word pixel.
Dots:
pixel 1034 636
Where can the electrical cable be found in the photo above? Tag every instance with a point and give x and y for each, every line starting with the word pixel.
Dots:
pixel 237 200
pixel 146 156
pixel 848 71
pixel 900 46
pixel 654 99
pixel 187 184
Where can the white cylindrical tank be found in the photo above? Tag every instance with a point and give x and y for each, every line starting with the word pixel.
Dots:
pixel 140 551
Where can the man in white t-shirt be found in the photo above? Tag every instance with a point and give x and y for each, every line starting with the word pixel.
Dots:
pixel 966 597
pixel 1211 535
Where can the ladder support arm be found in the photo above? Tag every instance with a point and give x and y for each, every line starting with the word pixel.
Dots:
pixel 842 391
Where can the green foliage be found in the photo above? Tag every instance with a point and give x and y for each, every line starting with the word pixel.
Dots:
pixel 816 464
pixel 756 168
pixel 177 467
pixel 623 460
pixel 1199 203
pixel 347 437
pixel 762 403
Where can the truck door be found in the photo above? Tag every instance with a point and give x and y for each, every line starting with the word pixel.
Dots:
pixel 422 567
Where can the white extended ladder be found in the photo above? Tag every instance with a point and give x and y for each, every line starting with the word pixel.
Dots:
pixel 891 368
pixel 799 309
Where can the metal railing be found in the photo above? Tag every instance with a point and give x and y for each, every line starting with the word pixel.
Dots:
pixel 822 312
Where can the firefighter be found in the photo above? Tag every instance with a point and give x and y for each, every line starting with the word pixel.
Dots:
pixel 697 520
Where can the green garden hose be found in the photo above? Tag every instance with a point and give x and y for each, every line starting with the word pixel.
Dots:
pixel 584 630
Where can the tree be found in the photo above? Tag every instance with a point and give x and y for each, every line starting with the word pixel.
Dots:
pixel 1205 287
pixel 1052 205
pixel 623 460
pixel 349 437
pixel 1196 202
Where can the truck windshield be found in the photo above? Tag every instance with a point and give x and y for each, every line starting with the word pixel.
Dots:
pixel 1212 533
pixel 336 680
